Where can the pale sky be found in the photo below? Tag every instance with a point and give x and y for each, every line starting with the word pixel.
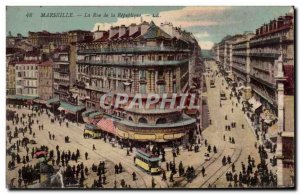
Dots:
pixel 208 24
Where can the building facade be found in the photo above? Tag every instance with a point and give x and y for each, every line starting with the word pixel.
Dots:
pixel 241 64
pixel 265 47
pixel 139 59
pixel 45 80
pixel 27 78
pixel 61 73
pixel 11 79
pixel 263 64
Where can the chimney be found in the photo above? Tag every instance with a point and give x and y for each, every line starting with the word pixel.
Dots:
pixel 133 28
pixel 144 27
pixel 167 27
pixel 98 34
pixel 122 30
pixel 113 31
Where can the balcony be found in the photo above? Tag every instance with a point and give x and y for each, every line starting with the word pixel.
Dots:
pixel 260 69
pixel 265 55
pixel 61 78
pixel 239 54
pixel 61 71
pixel 99 89
pixel 265 41
pixel 264 94
pixel 133 63
pixel 132 50
pixel 240 46
pixel 60 60
pixel 263 81
pixel 240 69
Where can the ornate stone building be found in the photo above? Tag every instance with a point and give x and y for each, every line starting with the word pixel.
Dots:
pixel 139 59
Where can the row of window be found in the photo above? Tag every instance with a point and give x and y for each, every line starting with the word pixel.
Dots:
pixel 26 67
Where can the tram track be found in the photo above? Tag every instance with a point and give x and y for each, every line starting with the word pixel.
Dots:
pixel 219 170
pixel 115 157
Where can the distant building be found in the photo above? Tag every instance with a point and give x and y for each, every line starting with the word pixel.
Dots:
pixel 241 64
pixel 27 78
pixel 45 80
pixel 11 79
pixel 61 72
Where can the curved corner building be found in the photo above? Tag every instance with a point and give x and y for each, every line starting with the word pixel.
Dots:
pixel 140 59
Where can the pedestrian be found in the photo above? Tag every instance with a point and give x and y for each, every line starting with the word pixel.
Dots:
pixel 133 176
pixel 86 155
pixel 203 171
pixel 164 177
pixel 153 182
pixel 215 149
pixel 167 166
pixel 171 178
pixel 233 167
pixel 94 148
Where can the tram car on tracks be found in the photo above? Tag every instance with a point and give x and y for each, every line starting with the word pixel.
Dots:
pixel 212 84
pixel 223 95
pixel 91 131
pixel 147 161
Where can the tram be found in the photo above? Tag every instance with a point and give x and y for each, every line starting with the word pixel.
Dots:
pixel 212 84
pixel 91 131
pixel 222 95
pixel 147 161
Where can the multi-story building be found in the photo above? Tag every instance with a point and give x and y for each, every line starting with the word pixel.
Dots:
pixel 11 79
pixel 40 39
pixel 241 64
pixel 27 78
pixel 265 63
pixel 139 59
pixel 265 47
pixel 61 72
pixel 216 52
pixel 45 80
pixel 12 55
pixel 222 55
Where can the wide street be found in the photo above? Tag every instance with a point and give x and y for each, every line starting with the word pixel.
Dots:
pixel 214 134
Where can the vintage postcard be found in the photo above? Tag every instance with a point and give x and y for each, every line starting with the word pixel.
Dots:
pixel 150 97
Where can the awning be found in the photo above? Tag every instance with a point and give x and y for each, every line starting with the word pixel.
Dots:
pixel 88 112
pixel 53 101
pixel 230 76
pixel 90 127
pixel 60 108
pixel 255 104
pixel 95 114
pixel 107 125
pixel 71 108
pixel 126 83
pixel 21 97
pixel 40 101
pixel 251 100
pixel 239 88
pixel 272 131
pixel 287 134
